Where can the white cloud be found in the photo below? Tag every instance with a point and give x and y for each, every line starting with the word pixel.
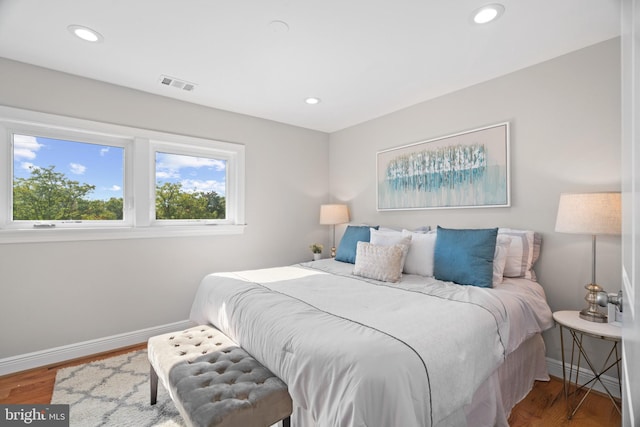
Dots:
pixel 169 165
pixel 28 166
pixel 115 188
pixel 104 151
pixel 167 174
pixel 77 168
pixel 193 185
pixel 175 161
pixel 25 147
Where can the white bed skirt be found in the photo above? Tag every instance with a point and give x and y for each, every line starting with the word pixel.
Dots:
pixel 495 398
pixel 512 381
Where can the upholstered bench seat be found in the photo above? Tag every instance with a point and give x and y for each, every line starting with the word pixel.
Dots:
pixel 214 382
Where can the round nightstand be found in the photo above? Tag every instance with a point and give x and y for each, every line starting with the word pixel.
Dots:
pixel 578 328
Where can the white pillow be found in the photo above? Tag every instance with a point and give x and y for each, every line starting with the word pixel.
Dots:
pixel 500 258
pixel 389 237
pixel 384 229
pixel 379 262
pixel 385 236
pixel 420 257
pixel 520 257
pixel 423 229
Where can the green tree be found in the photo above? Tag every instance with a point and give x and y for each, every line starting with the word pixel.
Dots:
pixel 99 210
pixel 115 205
pixel 48 195
pixel 167 199
pixel 216 205
pixel 174 203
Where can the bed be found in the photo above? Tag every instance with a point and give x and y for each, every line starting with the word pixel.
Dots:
pixel 355 350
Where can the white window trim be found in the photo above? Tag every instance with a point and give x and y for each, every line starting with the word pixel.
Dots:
pixel 196 149
pixel 42 130
pixel 139 194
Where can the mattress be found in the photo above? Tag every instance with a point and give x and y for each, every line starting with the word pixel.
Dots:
pixel 358 352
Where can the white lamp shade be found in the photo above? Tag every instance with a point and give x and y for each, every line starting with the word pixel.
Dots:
pixel 334 214
pixel 589 213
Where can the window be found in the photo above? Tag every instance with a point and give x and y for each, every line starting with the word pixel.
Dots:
pixel 61 181
pixel 189 187
pixel 70 179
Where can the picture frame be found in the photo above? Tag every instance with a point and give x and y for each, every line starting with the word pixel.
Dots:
pixel 469 169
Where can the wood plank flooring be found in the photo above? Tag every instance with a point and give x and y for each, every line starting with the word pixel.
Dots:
pixel 543 407
pixel 36 385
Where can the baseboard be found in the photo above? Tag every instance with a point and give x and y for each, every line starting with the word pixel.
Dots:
pixel 50 356
pixel 555 369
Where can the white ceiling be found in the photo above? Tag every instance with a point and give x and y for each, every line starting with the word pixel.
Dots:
pixel 363 58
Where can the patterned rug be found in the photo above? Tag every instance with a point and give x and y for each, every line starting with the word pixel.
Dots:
pixel 114 392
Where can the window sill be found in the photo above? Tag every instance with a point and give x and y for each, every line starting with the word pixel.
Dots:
pixel 76 234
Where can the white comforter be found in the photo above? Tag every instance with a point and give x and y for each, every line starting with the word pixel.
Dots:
pixel 357 352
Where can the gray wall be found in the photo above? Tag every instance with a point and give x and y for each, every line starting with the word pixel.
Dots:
pixel 56 294
pixel 565 137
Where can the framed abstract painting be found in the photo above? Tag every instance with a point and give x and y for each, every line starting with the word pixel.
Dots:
pixel 465 170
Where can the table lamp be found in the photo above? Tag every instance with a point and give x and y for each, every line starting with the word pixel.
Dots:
pixel 594 214
pixel 332 215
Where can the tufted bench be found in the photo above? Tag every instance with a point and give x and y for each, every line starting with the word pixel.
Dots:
pixel 214 382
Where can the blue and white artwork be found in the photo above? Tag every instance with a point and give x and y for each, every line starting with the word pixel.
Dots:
pixel 469 169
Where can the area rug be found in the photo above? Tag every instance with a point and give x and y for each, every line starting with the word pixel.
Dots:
pixel 114 392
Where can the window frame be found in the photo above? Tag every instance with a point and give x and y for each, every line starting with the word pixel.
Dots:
pixel 140 147
pixel 73 136
pixel 196 148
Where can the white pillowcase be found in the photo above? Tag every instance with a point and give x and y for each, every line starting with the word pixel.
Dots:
pixel 379 262
pixel 385 236
pixel 500 258
pixel 420 256
pixel 388 237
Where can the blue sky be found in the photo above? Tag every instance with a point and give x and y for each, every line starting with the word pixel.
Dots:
pixel 102 166
pixel 194 173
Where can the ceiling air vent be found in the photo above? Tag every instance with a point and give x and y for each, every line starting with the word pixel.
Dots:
pixel 177 83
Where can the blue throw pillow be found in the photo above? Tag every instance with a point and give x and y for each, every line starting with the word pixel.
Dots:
pixel 353 234
pixel 465 256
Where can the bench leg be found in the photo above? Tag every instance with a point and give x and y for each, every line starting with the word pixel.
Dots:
pixel 153 383
pixel 286 422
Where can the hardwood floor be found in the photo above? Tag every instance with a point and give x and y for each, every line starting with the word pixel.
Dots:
pixel 543 407
pixel 36 385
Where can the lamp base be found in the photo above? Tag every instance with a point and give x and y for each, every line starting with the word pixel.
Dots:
pixel 593 316
pixel 333 252
pixel 591 313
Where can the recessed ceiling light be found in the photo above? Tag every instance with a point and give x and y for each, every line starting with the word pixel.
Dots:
pixel 312 101
pixel 85 33
pixel 487 13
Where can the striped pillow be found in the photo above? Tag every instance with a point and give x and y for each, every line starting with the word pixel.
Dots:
pixel 523 252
